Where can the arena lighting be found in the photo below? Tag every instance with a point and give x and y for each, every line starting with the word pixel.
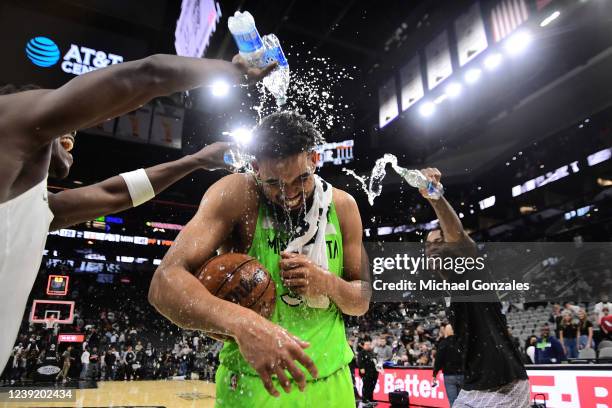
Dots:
pixel 472 75
pixel 241 135
pixel 518 42
pixel 453 90
pixel 493 61
pixel 440 99
pixel 550 18
pixel 220 88
pixel 427 109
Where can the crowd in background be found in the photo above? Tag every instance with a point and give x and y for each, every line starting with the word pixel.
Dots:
pixel 117 346
pixel 129 340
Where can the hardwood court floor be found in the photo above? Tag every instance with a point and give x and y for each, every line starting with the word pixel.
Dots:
pixel 169 394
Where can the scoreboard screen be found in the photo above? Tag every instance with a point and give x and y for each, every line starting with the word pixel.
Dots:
pixel 57 285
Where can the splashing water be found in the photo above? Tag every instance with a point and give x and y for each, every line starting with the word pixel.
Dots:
pixel 311 92
pixel 372 185
pixel 373 188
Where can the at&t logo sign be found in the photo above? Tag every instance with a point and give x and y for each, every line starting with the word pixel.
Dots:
pixel 43 52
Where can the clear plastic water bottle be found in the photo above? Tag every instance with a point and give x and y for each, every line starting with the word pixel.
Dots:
pixel 248 40
pixel 238 161
pixel 278 80
pixel 418 180
pixel 260 52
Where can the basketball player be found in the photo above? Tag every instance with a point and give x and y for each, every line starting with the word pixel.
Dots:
pixel 494 375
pixel 35 129
pixel 249 214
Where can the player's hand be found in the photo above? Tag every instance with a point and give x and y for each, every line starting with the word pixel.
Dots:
pixel 253 74
pixel 211 156
pixel 271 350
pixel 303 276
pixel 432 174
pixel 362 371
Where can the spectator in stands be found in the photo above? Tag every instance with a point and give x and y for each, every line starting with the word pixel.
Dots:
pixel 383 351
pixel 555 318
pixel 585 327
pixel 571 308
pixel 568 334
pixel 548 349
pixel 84 364
pixel 407 339
pixel 530 348
pixel 421 335
pixel 369 372
pixel 599 306
pixel 449 360
pixel 605 323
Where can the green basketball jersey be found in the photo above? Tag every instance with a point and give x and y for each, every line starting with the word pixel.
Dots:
pixel 322 328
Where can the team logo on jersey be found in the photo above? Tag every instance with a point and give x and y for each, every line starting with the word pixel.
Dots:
pixel 292 299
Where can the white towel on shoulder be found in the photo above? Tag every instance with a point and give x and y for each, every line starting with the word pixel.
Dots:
pixel 311 241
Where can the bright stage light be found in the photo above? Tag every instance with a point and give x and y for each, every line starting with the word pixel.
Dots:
pixel 440 99
pixel 517 43
pixel 453 90
pixel 493 61
pixel 550 18
pixel 220 88
pixel 242 136
pixel 472 75
pixel 427 109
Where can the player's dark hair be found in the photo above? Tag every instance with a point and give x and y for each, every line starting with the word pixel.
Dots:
pixel 11 89
pixel 284 134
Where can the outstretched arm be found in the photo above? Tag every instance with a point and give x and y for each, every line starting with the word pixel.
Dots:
pixel 110 196
pixel 96 96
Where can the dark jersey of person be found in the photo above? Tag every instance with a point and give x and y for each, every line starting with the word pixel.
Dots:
pixel 448 357
pixel 366 361
pixel 490 359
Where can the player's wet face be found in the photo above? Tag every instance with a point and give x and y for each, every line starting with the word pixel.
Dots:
pixel 288 181
pixel 61 158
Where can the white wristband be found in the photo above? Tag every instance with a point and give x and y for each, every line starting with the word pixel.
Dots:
pixel 139 186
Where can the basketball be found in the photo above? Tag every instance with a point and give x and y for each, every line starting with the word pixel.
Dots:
pixel 240 279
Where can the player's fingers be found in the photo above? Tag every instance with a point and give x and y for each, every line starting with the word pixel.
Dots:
pixel 295 283
pixel 268 384
pixel 303 344
pixel 255 74
pixel 288 263
pixel 298 375
pixel 294 273
pixel 269 68
pixel 282 378
pixel 306 361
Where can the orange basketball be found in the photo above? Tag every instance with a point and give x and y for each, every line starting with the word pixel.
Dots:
pixel 240 279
